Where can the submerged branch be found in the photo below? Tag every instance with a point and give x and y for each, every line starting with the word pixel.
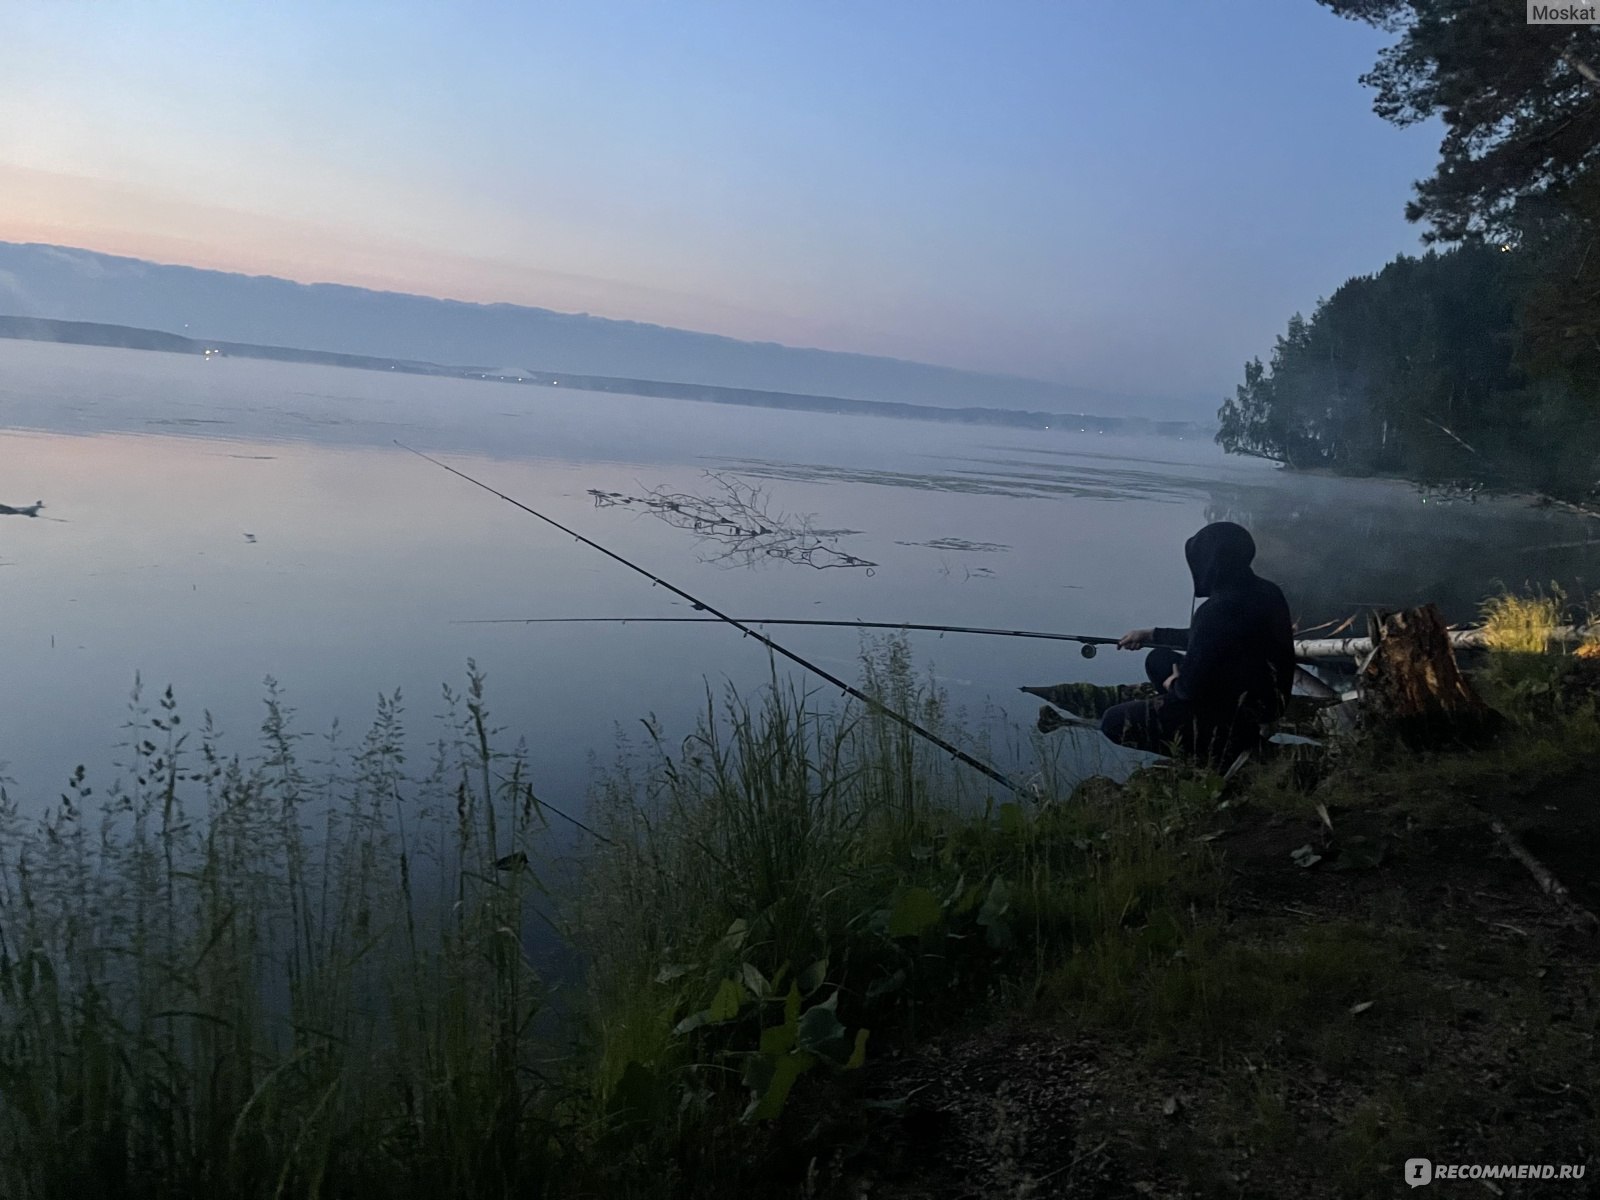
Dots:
pixel 739 521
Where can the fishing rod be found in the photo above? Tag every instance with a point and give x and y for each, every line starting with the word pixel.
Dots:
pixel 954 751
pixel 1089 643
pixel 1308 650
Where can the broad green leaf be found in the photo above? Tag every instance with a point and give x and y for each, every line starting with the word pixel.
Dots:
pixel 1012 820
pixel 997 904
pixel 755 981
pixel 814 976
pixel 726 1003
pixel 692 1022
pixel 819 1026
pixel 859 1054
pixel 992 916
pixel 737 934
pixel 916 910
pixel 780 1039
pixel 785 1071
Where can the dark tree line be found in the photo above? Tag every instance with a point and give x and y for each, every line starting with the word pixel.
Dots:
pixel 1479 362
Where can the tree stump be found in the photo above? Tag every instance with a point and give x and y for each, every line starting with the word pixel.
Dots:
pixel 1412 686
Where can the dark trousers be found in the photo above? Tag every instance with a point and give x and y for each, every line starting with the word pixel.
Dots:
pixel 1166 725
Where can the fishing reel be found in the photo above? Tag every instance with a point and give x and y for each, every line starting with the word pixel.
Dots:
pixel 1089 650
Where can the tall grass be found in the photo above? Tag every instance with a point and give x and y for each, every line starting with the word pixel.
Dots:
pixel 743 854
pixel 792 885
pixel 1530 673
pixel 229 976
pixel 302 971
pixel 1514 624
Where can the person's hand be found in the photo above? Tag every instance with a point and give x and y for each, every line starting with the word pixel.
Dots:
pixel 1136 639
pixel 1171 679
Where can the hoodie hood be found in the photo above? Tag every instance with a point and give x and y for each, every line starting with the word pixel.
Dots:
pixel 1218 555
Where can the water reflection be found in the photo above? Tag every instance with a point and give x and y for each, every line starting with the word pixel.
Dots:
pixel 1020 479
pixel 362 557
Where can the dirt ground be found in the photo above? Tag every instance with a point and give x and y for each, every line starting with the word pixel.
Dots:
pixel 1477 1046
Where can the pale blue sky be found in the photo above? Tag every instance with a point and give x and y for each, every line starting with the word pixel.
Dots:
pixel 1122 196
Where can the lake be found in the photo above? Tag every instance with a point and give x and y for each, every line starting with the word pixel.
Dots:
pixel 218 522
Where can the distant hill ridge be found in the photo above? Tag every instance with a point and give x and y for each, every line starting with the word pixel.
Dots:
pixel 81 285
pixel 126 337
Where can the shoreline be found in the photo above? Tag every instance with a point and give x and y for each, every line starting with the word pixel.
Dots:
pixel 127 337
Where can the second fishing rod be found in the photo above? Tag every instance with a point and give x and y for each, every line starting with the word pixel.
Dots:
pixel 1089 643
pixel 954 751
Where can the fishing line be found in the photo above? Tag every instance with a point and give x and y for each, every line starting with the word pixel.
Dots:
pixel 1089 643
pixel 954 751
pixel 594 833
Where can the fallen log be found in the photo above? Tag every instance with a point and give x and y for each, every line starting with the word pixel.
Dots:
pixel 1460 639
pixel 1543 876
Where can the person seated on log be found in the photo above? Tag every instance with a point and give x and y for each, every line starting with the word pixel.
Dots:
pixel 1225 676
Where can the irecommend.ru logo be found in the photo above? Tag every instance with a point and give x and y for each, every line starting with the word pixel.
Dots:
pixel 1420 1171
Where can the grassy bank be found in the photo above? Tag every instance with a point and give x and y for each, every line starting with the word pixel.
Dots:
pixel 288 974
pixel 813 960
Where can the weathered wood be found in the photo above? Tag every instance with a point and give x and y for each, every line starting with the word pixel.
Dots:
pixel 1412 686
pixel 1544 876
pixel 1460 639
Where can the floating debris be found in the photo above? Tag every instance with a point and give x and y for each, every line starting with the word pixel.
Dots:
pixel 25 510
pixel 953 543
pixel 739 521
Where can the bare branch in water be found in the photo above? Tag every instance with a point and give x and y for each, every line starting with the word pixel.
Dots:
pixel 736 518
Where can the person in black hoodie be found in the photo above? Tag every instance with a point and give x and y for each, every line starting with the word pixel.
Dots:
pixel 1238 665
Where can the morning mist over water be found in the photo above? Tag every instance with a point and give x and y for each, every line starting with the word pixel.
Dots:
pixel 364 836
pixel 216 523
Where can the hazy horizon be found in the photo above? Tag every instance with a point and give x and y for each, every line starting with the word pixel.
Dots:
pixel 1045 191
pixel 74 284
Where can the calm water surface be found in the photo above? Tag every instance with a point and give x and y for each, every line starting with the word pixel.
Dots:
pixel 221 522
